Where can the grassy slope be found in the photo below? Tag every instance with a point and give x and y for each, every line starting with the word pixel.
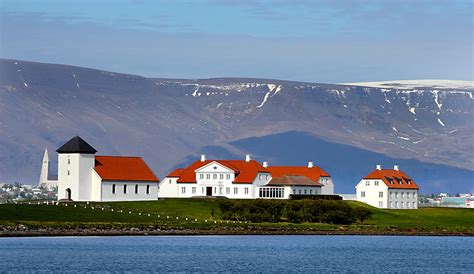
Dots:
pixel 424 219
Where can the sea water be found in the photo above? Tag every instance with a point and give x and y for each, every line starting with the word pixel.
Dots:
pixel 239 254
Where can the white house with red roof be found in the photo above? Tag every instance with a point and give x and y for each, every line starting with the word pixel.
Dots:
pixel 242 179
pixel 83 176
pixel 388 188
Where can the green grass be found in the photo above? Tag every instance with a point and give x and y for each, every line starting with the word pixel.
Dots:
pixel 421 220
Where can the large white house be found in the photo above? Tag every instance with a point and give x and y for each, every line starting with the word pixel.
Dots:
pixel 243 179
pixel 83 176
pixel 388 188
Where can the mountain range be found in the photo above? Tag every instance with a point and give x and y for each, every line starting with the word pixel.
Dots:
pixel 424 126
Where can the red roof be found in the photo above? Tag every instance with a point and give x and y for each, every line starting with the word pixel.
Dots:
pixel 117 168
pixel 176 173
pixel 245 172
pixel 313 173
pixel 393 178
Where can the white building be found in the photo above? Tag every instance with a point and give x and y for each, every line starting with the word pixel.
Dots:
pixel 46 180
pixel 388 188
pixel 83 176
pixel 241 179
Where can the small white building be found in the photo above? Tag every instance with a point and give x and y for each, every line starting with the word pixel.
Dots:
pixel 83 176
pixel 46 180
pixel 242 179
pixel 388 188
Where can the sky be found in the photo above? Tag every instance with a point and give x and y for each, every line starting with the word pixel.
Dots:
pixel 331 41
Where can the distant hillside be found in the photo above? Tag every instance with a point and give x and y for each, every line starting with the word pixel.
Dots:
pixel 168 121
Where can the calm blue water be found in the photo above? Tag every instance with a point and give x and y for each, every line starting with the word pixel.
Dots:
pixel 239 254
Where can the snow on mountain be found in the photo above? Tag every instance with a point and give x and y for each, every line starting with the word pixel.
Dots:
pixel 414 84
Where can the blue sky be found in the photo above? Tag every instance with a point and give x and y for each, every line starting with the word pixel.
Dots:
pixel 316 41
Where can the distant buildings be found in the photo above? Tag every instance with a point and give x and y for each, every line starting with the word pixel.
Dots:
pixel 83 176
pixel 244 179
pixel 388 188
pixel 46 180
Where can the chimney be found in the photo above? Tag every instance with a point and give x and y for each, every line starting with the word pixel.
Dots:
pixel 396 167
pixel 247 158
pixel 265 164
pixel 310 164
pixel 203 157
pixel 379 167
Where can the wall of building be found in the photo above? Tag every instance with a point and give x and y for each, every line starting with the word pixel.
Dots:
pixel 368 191
pixel 130 195
pixel 327 185
pixel 74 173
pixel 168 188
pixel 403 198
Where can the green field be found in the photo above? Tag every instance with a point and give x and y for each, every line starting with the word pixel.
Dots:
pixel 205 214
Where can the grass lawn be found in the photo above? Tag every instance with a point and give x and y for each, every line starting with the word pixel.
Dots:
pixel 136 213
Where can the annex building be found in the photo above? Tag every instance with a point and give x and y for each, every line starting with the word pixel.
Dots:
pixel 84 176
pixel 244 179
pixel 388 188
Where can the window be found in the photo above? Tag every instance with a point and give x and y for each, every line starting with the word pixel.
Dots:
pixel 376 183
pixel 236 190
pixel 227 190
pixel 390 205
pixel 208 176
pixel 396 194
pixel 305 191
pixel 201 176
pixel 215 190
pixel 414 204
pixel 125 189
pixel 380 194
pixel 310 191
pixel 391 194
pixel 362 194
pixel 171 181
pixel 396 204
pixel 147 189
pixel 401 205
pixel 266 177
pixel 380 204
pixel 68 172
pixel 294 191
pixel 228 176
pixel 260 177
pixel 113 189
pixel 408 195
pixel 221 176
pixel 220 190
pixel 414 194
pixel 246 190
pixel 183 189
pixel 367 183
pixel 401 194
pixel 203 189
pixel 193 190
pixel 136 189
pixel 68 161
pixel 408 205
pixel 214 176
pixel 299 191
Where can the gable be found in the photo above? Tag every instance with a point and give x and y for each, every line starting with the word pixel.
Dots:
pixel 214 166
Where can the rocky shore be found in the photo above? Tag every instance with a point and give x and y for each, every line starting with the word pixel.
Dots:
pixel 25 231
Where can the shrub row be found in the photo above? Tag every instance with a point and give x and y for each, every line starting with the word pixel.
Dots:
pixel 315 197
pixel 295 211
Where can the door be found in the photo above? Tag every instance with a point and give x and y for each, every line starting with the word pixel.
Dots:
pixel 209 191
pixel 68 194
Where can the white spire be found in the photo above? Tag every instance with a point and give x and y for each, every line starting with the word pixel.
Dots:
pixel 44 169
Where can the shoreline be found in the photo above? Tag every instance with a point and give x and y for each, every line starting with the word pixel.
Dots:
pixel 215 232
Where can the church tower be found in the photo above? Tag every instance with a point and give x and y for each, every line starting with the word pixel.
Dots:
pixel 76 160
pixel 44 169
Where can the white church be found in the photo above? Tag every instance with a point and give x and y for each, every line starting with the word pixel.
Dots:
pixel 84 176
pixel 244 179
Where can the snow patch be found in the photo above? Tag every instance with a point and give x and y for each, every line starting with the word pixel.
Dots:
pixel 264 99
pixel 411 84
pixel 440 122
pixel 412 110
pixel 25 84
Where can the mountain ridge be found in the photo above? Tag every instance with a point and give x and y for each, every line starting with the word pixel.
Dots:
pixel 167 120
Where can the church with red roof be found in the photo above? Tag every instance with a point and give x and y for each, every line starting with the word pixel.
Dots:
pixel 388 188
pixel 244 179
pixel 84 176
